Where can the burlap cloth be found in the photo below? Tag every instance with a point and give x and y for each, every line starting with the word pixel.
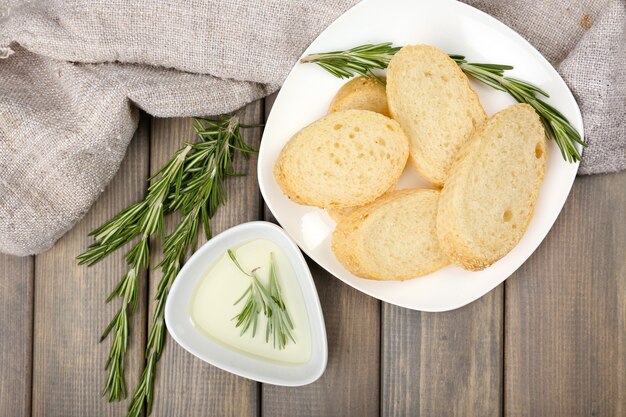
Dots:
pixel 74 73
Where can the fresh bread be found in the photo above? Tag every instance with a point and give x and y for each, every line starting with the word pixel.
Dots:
pixel 432 99
pixel 345 159
pixel 393 238
pixel 361 93
pixel 490 195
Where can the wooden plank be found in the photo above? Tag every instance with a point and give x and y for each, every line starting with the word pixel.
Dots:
pixel 70 313
pixel 16 330
pixel 185 385
pixel 443 364
pixel 350 385
pixel 566 311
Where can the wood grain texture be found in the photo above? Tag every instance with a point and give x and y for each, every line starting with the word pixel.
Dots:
pixel 443 364
pixel 70 313
pixel 185 385
pixel 565 349
pixel 551 342
pixel 350 386
pixel 16 330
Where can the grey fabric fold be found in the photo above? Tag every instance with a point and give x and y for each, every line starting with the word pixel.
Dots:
pixel 74 73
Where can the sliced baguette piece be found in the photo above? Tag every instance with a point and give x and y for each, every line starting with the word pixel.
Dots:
pixel 432 99
pixel 345 159
pixel 361 93
pixel 490 195
pixel 393 238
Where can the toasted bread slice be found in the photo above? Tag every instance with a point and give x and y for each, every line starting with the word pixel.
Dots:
pixel 345 159
pixel 432 99
pixel 361 93
pixel 490 195
pixel 393 238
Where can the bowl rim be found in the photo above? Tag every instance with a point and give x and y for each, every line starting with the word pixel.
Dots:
pixel 227 358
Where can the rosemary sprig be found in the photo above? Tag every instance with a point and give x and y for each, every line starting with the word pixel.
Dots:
pixel 137 257
pixel 260 299
pixel 556 126
pixel 359 60
pixel 191 183
pixel 174 248
pixel 198 195
pixel 362 59
pixel 145 218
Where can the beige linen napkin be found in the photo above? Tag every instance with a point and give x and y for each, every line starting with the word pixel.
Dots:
pixel 74 73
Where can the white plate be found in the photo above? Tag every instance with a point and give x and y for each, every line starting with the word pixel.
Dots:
pixel 180 326
pixel 455 28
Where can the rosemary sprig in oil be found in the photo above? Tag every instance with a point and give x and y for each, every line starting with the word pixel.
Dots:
pixel 363 59
pixel 268 301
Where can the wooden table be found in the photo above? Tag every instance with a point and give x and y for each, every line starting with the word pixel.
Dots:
pixel 551 341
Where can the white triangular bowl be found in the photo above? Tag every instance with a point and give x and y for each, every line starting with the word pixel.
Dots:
pixel 180 326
